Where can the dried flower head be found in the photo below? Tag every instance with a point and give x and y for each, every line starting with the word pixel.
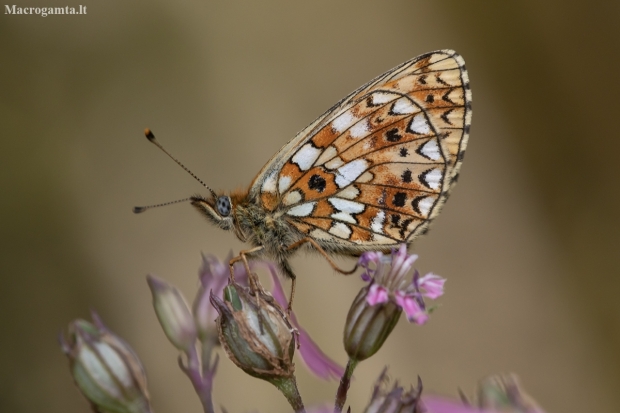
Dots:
pixel 496 394
pixel 395 399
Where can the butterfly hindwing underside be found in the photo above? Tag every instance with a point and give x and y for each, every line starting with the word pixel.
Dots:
pixel 375 169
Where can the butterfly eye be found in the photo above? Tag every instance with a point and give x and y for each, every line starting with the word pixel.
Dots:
pixel 223 206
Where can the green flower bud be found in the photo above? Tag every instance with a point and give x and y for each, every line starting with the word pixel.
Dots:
pixel 173 314
pixel 255 333
pixel 368 326
pixel 105 369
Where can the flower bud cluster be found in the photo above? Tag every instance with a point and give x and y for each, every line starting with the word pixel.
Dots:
pixel 183 326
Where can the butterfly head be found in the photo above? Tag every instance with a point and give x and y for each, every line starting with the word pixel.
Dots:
pixel 217 208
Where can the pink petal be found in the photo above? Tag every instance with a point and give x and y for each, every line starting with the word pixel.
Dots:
pixel 368 257
pixel 377 294
pixel 317 361
pixel 432 285
pixel 412 309
pixel 398 257
pixel 277 291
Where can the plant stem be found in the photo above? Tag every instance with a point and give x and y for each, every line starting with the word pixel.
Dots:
pixel 345 382
pixel 201 374
pixel 288 387
pixel 208 371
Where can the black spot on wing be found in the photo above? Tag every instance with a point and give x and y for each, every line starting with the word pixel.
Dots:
pixel 395 219
pixel 403 227
pixel 392 135
pixel 317 182
pixel 407 178
pixel 399 199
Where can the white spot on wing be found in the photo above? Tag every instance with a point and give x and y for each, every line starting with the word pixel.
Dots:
pixel 327 154
pixel 343 122
pixel 349 192
pixel 381 239
pixel 419 125
pixel 305 156
pixel 431 150
pixel 269 185
pixel 337 162
pixel 377 222
pixel 285 182
pixel 367 177
pixel 320 234
pixel 302 210
pixel 350 171
pixel 403 106
pixel 360 129
pixel 433 178
pixel 425 205
pixel 343 216
pixel 292 198
pixel 345 205
pixel 379 98
pixel 341 230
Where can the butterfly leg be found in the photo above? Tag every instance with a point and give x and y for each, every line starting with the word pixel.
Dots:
pixel 243 257
pixel 322 252
pixel 288 271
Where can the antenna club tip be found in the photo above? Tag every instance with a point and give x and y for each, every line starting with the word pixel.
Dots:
pixel 137 209
pixel 149 135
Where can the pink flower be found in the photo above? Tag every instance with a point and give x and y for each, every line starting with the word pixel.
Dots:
pixel 377 295
pixel 432 285
pixel 391 283
pixel 412 308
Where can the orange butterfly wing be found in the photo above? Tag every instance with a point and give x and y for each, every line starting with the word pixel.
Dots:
pixel 375 169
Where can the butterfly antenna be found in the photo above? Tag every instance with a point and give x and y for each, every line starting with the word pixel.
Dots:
pixel 139 209
pixel 149 135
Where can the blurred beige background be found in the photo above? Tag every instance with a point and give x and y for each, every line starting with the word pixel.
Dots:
pixel 528 241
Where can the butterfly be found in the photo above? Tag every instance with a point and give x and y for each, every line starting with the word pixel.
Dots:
pixel 371 173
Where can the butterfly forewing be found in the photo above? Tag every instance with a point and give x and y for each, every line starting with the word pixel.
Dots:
pixel 376 168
